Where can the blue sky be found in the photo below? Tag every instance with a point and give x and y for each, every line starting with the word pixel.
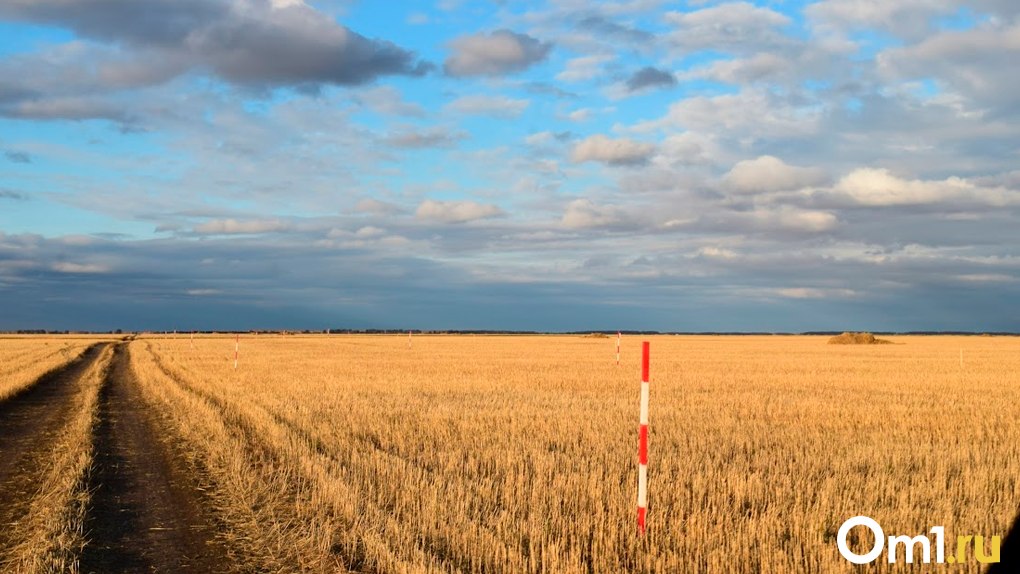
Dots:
pixel 557 165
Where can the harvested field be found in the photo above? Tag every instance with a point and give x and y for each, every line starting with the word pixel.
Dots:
pixel 32 424
pixel 518 454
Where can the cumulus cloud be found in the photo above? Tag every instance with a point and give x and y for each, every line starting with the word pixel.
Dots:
pixel 240 227
pixel 255 42
pixel 739 71
pixel 649 77
pixel 584 68
pixel 66 108
pixel 493 106
pixel 604 26
pixel 583 214
pixel 787 218
pixel 438 137
pixel 617 152
pixel 456 211
pixel 733 26
pixel 769 174
pixel 500 52
pixel 388 100
pixel 880 188
pixel 978 62
pixel 749 114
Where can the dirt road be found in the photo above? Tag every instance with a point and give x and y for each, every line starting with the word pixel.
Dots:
pixel 147 513
pixel 30 424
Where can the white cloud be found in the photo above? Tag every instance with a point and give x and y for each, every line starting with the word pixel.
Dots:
pixel 752 114
pixel 456 211
pixel 787 218
pixel 732 26
pixel 770 174
pixel 584 68
pixel 236 227
pixel 979 63
pixel 66 267
pixel 429 137
pixel 583 214
pixel 718 253
pixel 388 100
pixel 620 151
pixel 493 106
pixel 369 231
pixel 880 188
pixel 579 115
pixel 740 71
pixel 501 52
pixel 814 293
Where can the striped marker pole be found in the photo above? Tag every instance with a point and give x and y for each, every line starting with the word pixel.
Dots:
pixel 617 348
pixel 237 345
pixel 408 339
pixel 642 496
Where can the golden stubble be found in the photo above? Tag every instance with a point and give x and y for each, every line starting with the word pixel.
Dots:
pixel 519 454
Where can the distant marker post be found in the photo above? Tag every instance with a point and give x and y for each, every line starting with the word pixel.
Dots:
pixel 237 347
pixel 617 348
pixel 642 497
pixel 408 338
pixel 192 339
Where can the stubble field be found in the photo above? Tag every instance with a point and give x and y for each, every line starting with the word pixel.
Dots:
pixel 519 454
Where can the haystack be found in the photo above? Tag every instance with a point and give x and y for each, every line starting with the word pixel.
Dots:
pixel 857 339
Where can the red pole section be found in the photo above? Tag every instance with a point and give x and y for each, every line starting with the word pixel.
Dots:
pixel 617 348
pixel 237 345
pixel 642 497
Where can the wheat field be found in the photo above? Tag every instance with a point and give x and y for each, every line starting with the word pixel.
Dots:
pixel 23 359
pixel 518 454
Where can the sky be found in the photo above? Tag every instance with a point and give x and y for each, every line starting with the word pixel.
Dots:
pixel 550 165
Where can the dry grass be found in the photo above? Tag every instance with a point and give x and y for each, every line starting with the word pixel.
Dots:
pixel 847 338
pixel 52 534
pixel 518 454
pixel 23 359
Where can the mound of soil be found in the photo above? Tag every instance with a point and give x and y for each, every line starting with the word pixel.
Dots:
pixel 857 339
pixel 597 336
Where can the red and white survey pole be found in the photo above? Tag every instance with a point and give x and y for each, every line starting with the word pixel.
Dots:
pixel 237 346
pixel 617 348
pixel 642 493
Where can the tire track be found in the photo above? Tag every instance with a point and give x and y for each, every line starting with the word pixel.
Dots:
pixel 30 424
pixel 147 513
